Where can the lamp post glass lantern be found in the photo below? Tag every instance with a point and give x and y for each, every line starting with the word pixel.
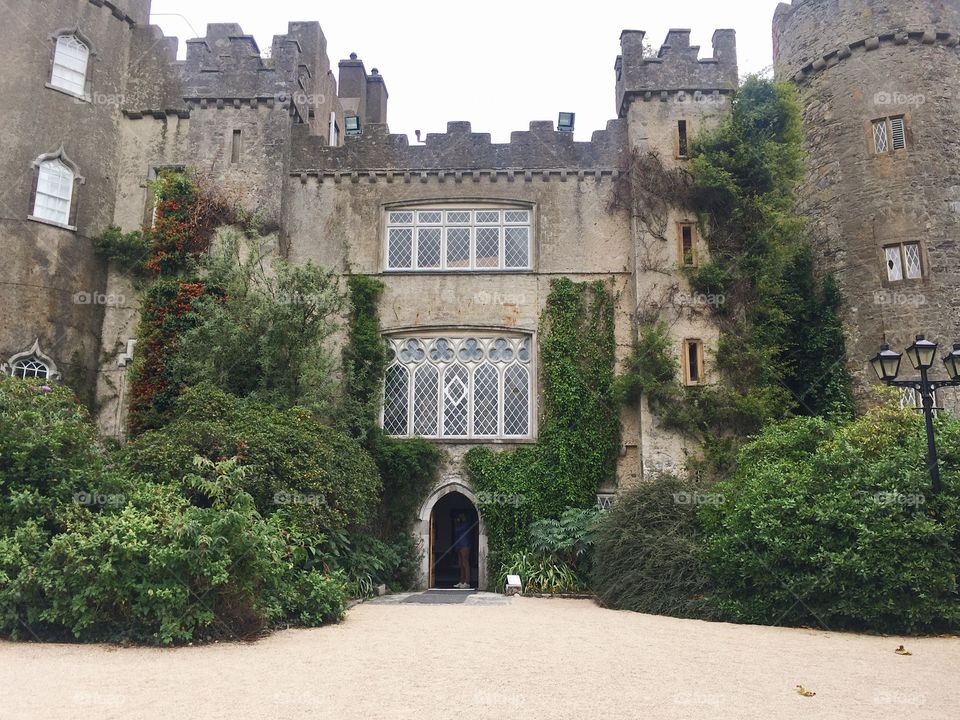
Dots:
pixel 922 354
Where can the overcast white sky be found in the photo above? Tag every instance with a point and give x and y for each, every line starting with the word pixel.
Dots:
pixel 497 63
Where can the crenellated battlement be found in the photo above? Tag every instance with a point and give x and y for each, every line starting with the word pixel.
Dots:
pixel 460 149
pixel 812 35
pixel 227 68
pixel 677 67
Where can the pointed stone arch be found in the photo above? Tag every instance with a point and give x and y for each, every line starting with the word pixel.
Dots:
pixel 421 529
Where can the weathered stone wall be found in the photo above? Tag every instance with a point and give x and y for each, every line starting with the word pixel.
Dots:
pixel 334 216
pixel 51 282
pixel 855 62
pixel 654 95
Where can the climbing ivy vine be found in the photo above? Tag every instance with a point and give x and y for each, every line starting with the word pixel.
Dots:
pixel 781 350
pixel 580 423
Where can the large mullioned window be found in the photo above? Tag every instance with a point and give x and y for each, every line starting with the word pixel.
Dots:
pixel 482 239
pixel 467 386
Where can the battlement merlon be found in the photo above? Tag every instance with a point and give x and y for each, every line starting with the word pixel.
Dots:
pixel 676 67
pixel 460 149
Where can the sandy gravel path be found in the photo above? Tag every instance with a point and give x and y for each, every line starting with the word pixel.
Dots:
pixel 527 658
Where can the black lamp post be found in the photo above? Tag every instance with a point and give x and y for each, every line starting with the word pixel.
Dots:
pixel 922 355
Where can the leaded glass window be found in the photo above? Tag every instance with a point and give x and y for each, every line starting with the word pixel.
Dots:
pixel 484 239
pixel 458 387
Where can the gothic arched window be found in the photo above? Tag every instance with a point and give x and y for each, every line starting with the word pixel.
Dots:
pixel 473 387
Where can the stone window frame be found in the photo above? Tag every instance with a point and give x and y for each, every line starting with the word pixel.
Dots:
pixel 457 337
pixel 900 247
pixel 694 245
pixel 695 345
pixel 35 355
pixel 54 37
pixel 894 133
pixel 58 155
pixel 464 204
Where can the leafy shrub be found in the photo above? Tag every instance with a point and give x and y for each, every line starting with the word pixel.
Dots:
pixel 128 250
pixel 833 526
pixel 646 551
pixel 569 539
pixel 177 562
pixel 316 477
pixel 366 562
pixel 262 327
pixel 539 573
pixel 408 468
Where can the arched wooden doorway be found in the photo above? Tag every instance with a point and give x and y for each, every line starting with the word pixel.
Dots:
pixel 439 563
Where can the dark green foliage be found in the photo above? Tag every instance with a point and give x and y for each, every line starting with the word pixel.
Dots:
pixel 364 357
pixel 580 429
pixel 129 251
pixel 833 526
pixel 408 467
pixel 316 476
pixel 540 573
pixel 781 349
pixel 261 328
pixel 646 554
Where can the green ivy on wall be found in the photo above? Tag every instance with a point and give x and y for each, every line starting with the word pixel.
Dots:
pixel 408 466
pixel 579 434
pixel 781 350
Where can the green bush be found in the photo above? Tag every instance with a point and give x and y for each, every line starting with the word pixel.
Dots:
pixel 569 539
pixel 646 551
pixel 833 526
pixel 316 477
pixel 539 573
pixel 177 562
pixel 129 251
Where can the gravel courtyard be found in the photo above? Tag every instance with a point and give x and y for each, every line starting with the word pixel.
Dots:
pixel 484 656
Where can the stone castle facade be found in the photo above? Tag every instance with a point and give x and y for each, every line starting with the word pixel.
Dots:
pixel 466 234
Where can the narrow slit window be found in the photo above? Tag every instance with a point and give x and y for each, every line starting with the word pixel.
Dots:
pixel 693 362
pixel 235 147
pixel 688 246
pixel 682 142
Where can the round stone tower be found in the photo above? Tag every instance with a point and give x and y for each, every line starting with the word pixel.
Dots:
pixel 66 66
pixel 879 81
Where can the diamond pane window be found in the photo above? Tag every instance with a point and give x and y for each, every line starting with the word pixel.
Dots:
pixel 70 61
pixel 903 262
pixel 429 217
pixel 458 247
pixel 880 136
pixel 54 192
pixel 486 400
pixel 516 400
pixel 516 247
pixel 894 264
pixel 458 387
pixel 395 395
pixel 426 408
pixel 911 253
pixel 488 247
pixel 458 239
pixel 400 253
pixel 428 247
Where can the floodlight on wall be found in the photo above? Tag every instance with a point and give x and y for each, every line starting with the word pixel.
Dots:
pixel 565 122
pixel 351 125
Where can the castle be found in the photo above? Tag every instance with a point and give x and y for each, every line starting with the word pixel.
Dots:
pixel 466 234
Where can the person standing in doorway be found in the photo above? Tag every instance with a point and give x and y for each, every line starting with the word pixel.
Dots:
pixel 461 543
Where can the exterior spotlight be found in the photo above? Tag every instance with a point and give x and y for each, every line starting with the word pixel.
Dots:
pixel 886 363
pixel 952 361
pixel 922 353
pixel 565 122
pixel 351 125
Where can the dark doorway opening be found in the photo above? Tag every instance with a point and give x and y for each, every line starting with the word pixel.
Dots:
pixel 444 558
